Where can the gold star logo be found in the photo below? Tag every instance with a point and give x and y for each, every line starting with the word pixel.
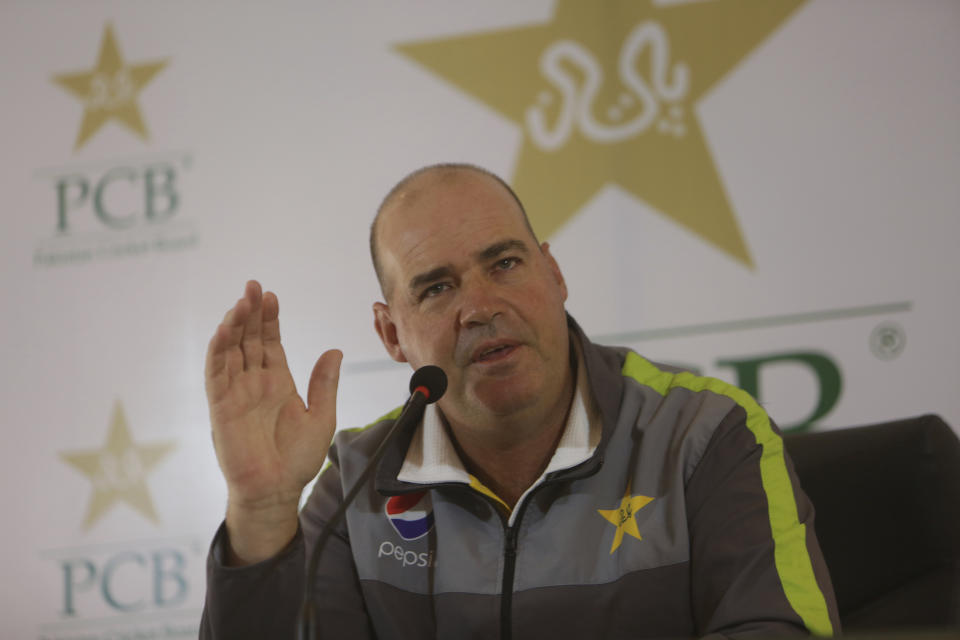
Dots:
pixel 118 471
pixel 110 90
pixel 606 92
pixel 623 517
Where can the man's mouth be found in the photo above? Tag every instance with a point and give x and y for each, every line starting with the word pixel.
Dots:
pixel 493 352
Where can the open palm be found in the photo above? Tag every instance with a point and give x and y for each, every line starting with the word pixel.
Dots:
pixel 269 443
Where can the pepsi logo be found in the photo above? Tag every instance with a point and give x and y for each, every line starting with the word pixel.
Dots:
pixel 410 514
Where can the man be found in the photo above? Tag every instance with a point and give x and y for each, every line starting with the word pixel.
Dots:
pixel 559 488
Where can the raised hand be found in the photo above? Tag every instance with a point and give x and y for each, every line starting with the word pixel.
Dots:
pixel 269 443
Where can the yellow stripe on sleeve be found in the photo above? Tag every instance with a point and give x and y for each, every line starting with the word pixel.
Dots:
pixel 791 556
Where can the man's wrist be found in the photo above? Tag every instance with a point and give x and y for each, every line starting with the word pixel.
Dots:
pixel 258 533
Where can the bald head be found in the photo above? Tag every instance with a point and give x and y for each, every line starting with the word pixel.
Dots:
pixel 412 188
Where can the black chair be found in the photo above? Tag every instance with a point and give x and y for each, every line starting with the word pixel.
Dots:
pixel 887 501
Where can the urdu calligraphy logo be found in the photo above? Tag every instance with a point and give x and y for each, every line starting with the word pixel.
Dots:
pixel 607 93
pixel 577 108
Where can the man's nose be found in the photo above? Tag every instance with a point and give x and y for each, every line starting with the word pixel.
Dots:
pixel 479 302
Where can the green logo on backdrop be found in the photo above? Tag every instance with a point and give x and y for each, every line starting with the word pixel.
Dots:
pixel 165 585
pixel 118 207
pixel 750 371
pixel 120 198
pixel 124 589
pixel 824 368
pixel 123 210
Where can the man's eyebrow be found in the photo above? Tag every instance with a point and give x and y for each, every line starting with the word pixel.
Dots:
pixel 421 279
pixel 496 249
pixel 446 271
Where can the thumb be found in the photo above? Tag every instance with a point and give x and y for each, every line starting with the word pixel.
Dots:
pixel 322 388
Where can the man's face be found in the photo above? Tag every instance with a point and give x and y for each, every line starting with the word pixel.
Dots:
pixel 470 291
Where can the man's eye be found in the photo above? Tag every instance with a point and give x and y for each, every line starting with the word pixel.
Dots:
pixel 434 289
pixel 505 264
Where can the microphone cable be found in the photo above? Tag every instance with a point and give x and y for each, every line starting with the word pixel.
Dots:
pixel 427 385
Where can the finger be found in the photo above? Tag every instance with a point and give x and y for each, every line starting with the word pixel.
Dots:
pixel 322 389
pixel 216 376
pixel 223 352
pixel 273 354
pixel 252 341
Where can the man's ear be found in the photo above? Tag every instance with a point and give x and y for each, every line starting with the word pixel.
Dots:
pixel 554 268
pixel 387 331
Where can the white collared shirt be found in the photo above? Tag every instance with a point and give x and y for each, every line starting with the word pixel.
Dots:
pixel 432 458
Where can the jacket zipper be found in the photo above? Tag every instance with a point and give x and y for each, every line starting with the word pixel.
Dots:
pixel 510 561
pixel 510 565
pixel 506 593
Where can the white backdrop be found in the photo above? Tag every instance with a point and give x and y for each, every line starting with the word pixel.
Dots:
pixel 240 140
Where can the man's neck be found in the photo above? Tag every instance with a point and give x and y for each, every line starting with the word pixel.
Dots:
pixel 510 466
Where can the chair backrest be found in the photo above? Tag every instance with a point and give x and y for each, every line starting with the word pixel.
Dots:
pixel 887 500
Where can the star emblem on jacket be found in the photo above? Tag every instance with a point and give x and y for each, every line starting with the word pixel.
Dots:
pixel 623 517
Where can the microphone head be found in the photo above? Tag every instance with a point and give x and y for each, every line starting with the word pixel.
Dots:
pixel 429 380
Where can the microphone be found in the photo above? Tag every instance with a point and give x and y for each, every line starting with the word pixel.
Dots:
pixel 431 381
pixel 427 385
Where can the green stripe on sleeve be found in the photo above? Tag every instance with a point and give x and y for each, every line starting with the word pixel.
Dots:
pixel 393 415
pixel 791 557
pixel 388 416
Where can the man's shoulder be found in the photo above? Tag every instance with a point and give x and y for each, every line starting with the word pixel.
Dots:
pixel 673 388
pixel 666 380
pixel 608 361
pixel 366 438
pixel 663 379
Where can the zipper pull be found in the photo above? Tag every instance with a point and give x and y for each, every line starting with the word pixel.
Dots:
pixel 510 546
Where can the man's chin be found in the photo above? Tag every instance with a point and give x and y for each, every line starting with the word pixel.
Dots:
pixel 504 397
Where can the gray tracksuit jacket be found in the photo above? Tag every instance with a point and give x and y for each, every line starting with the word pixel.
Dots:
pixel 687 520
